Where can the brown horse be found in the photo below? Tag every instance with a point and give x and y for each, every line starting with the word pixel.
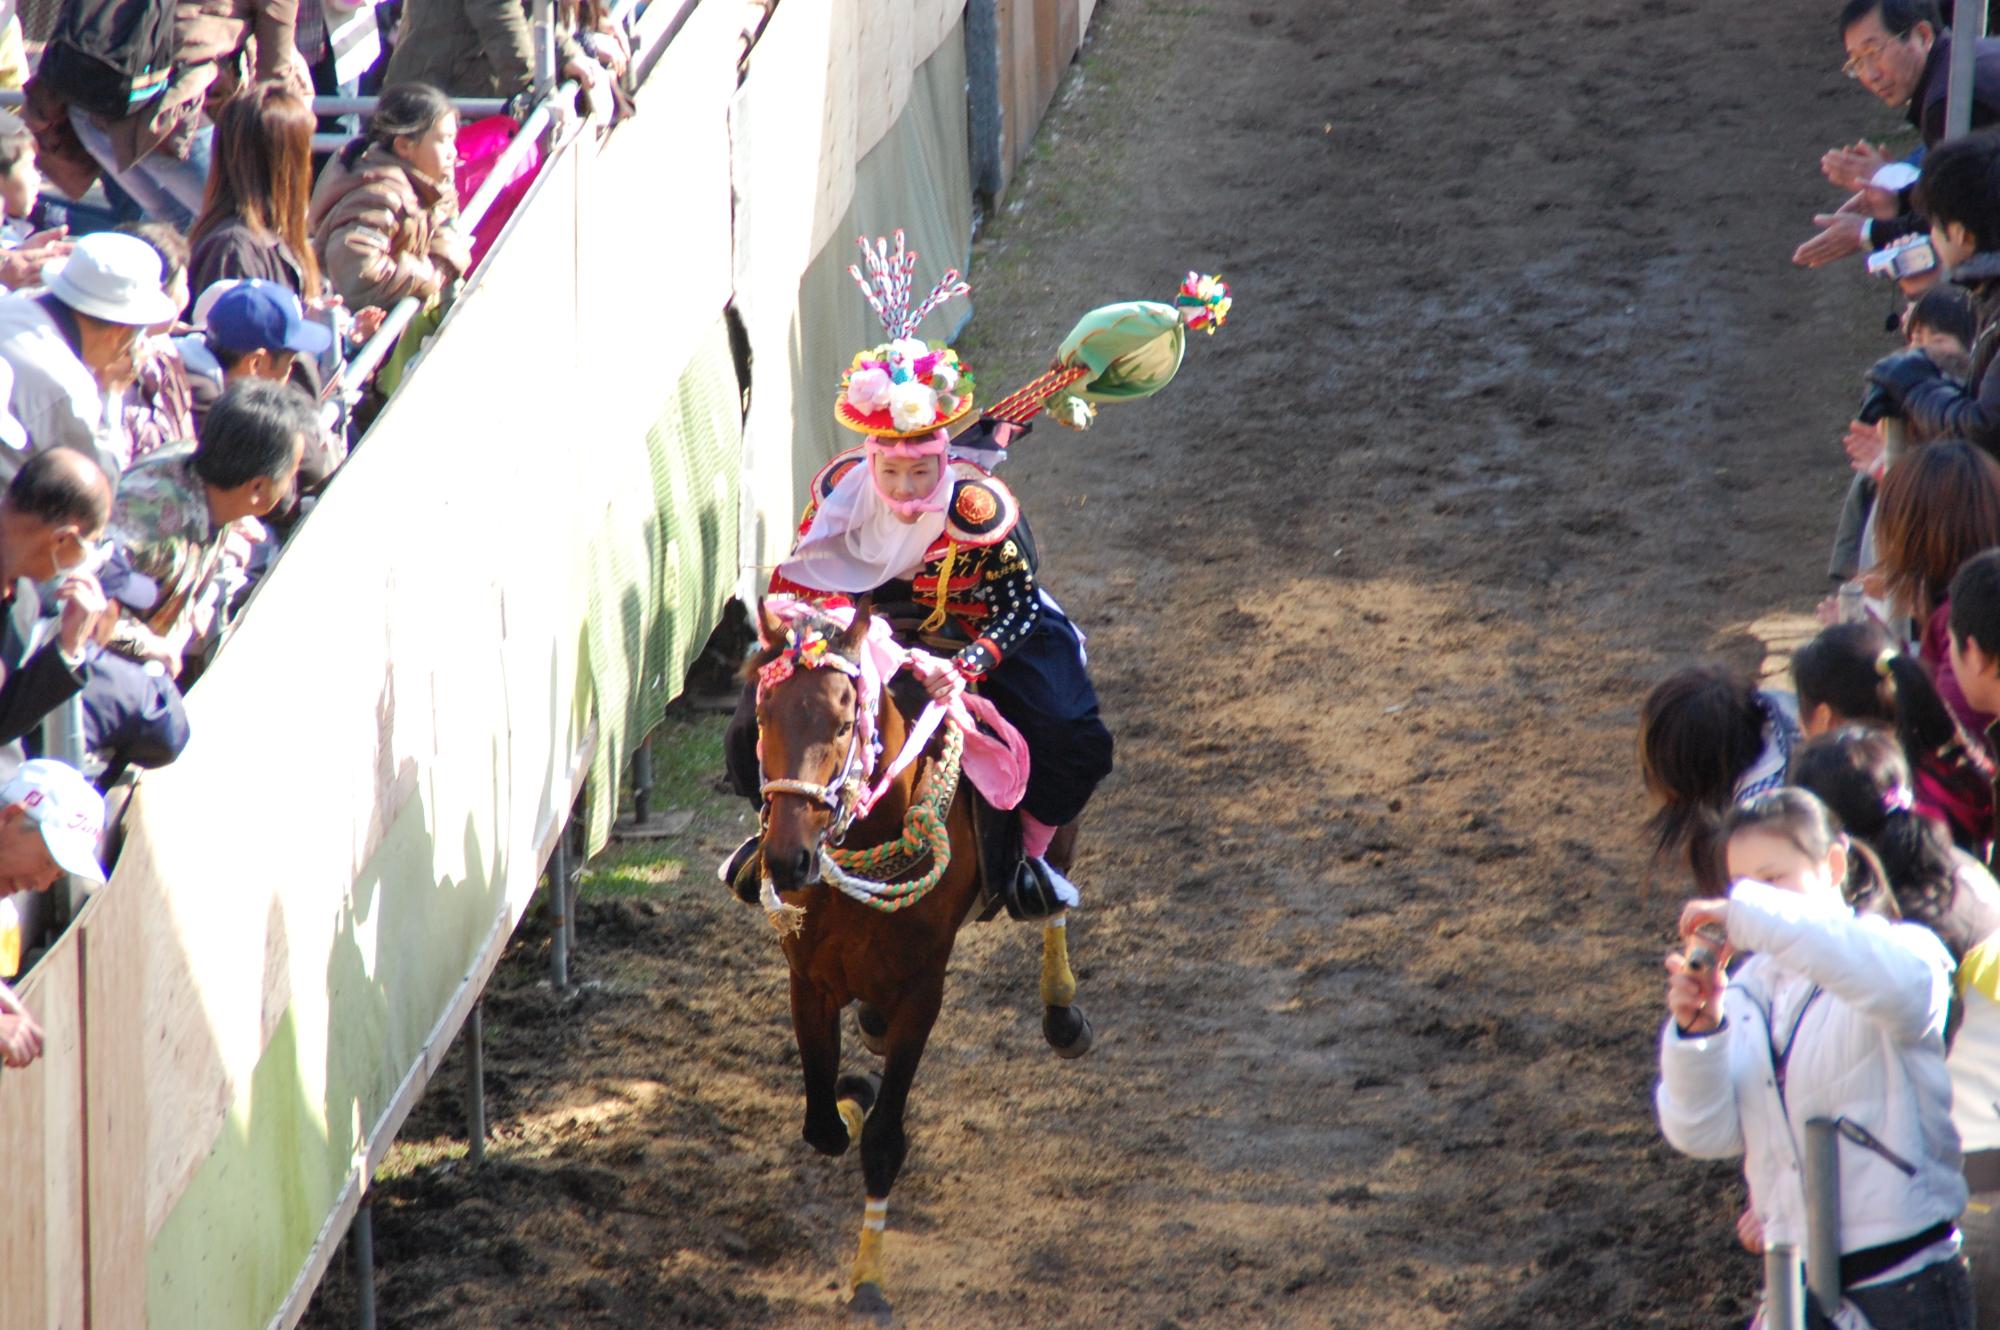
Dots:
pixel 884 944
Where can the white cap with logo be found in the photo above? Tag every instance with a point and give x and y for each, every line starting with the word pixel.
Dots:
pixel 68 809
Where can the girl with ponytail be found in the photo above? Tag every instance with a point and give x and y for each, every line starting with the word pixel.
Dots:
pixel 1853 674
pixel 1708 738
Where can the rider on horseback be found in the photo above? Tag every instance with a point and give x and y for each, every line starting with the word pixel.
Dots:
pixel 941 546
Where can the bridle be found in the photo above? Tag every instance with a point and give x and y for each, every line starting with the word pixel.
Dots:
pixel 807 645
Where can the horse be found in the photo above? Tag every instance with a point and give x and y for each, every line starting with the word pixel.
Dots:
pixel 882 943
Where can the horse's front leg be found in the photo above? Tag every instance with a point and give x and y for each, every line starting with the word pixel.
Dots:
pixel 816 1023
pixel 883 1144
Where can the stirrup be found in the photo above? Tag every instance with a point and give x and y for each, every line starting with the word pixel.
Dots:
pixel 1038 891
pixel 740 868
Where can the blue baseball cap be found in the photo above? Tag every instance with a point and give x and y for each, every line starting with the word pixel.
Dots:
pixel 256 315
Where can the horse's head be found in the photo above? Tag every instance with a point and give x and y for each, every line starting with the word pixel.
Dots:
pixel 809 709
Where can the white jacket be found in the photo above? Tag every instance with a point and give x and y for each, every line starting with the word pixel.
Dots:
pixel 1869 1049
pixel 55 396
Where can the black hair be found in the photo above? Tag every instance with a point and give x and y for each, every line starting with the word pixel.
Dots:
pixel 1865 779
pixel 1857 671
pixel 1838 669
pixel 1946 309
pixel 58 485
pixel 1960 182
pixel 1898 16
pixel 255 429
pixel 1975 602
pixel 1699 731
pixel 405 111
pixel 1800 817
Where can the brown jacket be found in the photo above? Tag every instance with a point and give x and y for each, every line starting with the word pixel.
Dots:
pixel 468 48
pixel 378 227
pixel 219 47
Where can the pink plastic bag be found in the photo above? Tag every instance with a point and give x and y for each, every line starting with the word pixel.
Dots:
pixel 479 147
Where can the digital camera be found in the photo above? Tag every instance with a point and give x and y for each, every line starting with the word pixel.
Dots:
pixel 1907 258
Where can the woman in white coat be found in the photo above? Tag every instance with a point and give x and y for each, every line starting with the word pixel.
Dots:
pixel 1835 1016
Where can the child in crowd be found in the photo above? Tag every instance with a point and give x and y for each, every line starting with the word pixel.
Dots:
pixel 1940 323
pixel 1853 674
pixel 1832 1015
pixel 25 210
pixel 1709 737
pixel 383 209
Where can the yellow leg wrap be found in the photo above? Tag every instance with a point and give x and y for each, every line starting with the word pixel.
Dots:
pixel 1058 984
pixel 868 1256
pixel 850 1113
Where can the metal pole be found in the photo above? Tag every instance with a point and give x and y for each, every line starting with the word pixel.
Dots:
pixel 573 881
pixel 363 1233
pixel 642 781
pixel 475 1085
pixel 1822 1182
pixel 559 912
pixel 63 737
pixel 1784 1305
pixel 1968 25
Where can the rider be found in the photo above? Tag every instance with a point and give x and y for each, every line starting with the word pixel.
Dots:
pixel 941 545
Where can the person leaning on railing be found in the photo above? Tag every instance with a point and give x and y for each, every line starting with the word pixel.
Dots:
pixel 383 208
pixel 178 514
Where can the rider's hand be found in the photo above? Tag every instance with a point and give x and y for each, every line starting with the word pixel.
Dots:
pixel 20 1040
pixel 939 678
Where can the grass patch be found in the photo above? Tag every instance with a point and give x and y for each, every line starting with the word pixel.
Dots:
pixel 687 770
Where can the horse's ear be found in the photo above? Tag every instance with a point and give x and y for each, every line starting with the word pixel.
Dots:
pixel 857 631
pixel 770 628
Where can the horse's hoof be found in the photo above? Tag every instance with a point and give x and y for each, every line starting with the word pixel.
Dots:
pixel 1068 1031
pixel 861 1089
pixel 870 1305
pixel 874 1027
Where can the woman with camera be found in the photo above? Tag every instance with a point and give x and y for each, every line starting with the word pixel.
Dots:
pixel 1831 1016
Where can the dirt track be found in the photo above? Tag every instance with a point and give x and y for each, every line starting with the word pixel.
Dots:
pixel 1522 406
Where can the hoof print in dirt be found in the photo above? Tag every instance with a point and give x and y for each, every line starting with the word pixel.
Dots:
pixel 870 1306
pixel 1068 1031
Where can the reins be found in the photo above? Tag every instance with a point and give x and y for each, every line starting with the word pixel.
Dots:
pixel 849 796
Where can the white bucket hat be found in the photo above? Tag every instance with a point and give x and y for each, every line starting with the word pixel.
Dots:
pixel 67 808
pixel 113 277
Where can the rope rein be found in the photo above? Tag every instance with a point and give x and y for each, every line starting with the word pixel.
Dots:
pixel 869 875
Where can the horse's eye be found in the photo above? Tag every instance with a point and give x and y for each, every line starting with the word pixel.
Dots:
pixel 846 728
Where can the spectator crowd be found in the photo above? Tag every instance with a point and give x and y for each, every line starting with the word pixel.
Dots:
pixel 182 282
pixel 1838 967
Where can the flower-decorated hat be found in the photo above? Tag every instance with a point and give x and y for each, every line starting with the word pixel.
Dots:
pixel 904 387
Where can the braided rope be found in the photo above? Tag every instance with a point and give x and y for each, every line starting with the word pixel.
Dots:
pixel 925 835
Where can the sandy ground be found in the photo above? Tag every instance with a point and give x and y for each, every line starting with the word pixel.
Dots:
pixel 1522 407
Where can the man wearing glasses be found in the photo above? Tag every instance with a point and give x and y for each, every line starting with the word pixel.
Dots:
pixel 1900 51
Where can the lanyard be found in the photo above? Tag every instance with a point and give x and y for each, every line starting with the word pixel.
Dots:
pixel 1781 1057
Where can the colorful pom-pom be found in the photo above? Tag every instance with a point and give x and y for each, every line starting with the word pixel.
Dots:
pixel 1203 302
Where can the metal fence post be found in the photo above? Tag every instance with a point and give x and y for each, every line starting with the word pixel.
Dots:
pixel 475 1085
pixel 559 911
pixel 1968 26
pixel 1784 1300
pixel 642 781
pixel 1822 1183
pixel 363 1234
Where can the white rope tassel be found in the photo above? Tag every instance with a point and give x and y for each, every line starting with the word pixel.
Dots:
pixel 787 919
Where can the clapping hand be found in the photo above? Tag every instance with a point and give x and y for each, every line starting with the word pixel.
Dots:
pixel 1865 445
pixel 1852 167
